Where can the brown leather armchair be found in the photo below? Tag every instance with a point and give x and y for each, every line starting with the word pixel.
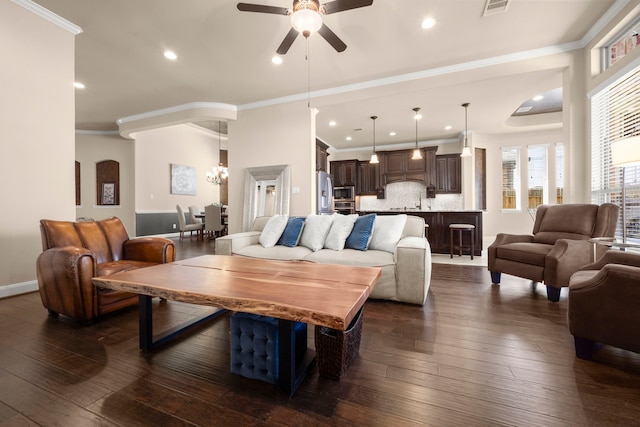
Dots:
pixel 557 248
pixel 603 304
pixel 75 252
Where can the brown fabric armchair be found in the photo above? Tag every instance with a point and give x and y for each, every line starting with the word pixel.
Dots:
pixel 603 304
pixel 75 252
pixel 557 248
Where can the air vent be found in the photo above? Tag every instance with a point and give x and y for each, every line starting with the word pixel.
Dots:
pixel 495 6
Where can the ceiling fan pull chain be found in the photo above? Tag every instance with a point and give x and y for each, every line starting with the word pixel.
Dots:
pixel 308 75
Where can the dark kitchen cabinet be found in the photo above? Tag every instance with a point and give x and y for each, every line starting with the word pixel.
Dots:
pixel 399 166
pixel 448 174
pixel 368 179
pixel 438 231
pixel 321 156
pixel 344 172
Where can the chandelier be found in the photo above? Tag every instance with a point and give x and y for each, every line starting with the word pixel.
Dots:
pixel 218 174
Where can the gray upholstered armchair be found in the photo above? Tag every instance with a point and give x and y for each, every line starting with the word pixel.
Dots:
pixel 558 246
pixel 603 304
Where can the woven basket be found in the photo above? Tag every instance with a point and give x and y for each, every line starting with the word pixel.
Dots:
pixel 335 350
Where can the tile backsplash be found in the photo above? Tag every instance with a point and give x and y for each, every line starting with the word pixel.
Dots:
pixel 410 196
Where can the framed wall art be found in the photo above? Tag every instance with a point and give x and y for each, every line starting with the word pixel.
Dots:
pixel 108 193
pixel 183 180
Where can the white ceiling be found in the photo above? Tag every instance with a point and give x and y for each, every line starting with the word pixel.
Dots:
pixel 390 65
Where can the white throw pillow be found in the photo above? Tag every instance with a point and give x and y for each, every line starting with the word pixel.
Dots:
pixel 387 231
pixel 314 233
pixel 273 230
pixel 340 229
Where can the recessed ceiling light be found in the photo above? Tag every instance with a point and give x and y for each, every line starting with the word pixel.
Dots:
pixel 78 85
pixel 170 55
pixel 349 138
pixel 538 97
pixel 332 123
pixel 428 23
pixel 392 133
pixel 448 127
pixel 277 59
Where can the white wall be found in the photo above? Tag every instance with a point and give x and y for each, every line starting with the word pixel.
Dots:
pixel 91 149
pixel 37 118
pixel 276 135
pixel 155 151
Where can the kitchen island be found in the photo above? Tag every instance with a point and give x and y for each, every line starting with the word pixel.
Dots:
pixel 438 231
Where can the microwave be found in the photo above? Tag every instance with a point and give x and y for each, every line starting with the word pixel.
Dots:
pixel 344 193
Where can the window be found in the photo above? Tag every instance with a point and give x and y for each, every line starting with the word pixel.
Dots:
pixel 615 113
pixel 538 189
pixel 621 45
pixel 559 173
pixel 511 178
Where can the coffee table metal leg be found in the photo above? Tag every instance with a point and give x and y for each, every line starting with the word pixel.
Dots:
pixel 145 320
pixel 291 370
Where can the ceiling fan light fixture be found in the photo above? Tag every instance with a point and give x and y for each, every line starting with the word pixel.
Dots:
pixel 306 21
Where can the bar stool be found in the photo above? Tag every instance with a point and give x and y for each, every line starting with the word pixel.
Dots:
pixel 460 228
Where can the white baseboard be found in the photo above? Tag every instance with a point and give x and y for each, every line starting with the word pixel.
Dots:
pixel 18 289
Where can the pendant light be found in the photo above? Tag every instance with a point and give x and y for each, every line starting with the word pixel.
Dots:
pixel 416 152
pixel 466 150
pixel 218 175
pixel 374 156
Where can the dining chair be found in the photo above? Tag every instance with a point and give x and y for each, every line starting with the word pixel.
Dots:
pixel 183 226
pixel 213 225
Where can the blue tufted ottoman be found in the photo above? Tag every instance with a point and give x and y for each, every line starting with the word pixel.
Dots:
pixel 254 346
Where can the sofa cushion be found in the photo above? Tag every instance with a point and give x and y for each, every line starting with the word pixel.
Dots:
pixel 528 253
pixel 314 233
pixel 361 233
pixel 387 230
pixel 341 227
pixel 292 232
pixel 273 230
pixel 370 258
pixel 279 252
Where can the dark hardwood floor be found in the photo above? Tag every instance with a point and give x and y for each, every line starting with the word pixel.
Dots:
pixel 475 354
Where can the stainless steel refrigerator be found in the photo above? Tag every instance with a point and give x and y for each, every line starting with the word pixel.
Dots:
pixel 324 193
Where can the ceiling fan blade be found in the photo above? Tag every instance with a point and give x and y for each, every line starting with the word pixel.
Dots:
pixel 340 5
pixel 249 7
pixel 287 42
pixel 331 37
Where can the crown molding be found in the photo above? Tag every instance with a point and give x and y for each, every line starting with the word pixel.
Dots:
pixel 97 132
pixel 177 109
pixel 49 16
pixel 179 114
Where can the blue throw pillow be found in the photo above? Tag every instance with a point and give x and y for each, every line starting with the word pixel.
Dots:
pixel 292 232
pixel 361 233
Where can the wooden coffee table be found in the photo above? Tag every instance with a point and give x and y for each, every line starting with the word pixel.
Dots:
pixel 291 291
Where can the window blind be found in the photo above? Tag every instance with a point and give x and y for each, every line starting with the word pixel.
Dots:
pixel 537 172
pixel 615 112
pixel 510 178
pixel 559 173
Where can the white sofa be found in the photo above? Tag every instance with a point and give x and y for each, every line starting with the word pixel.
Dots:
pixel 406 272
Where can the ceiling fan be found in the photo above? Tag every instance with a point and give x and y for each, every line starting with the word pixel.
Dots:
pixel 306 18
